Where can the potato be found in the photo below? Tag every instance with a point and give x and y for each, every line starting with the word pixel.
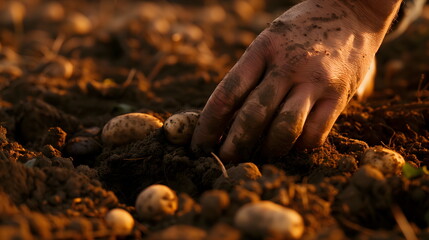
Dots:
pixel 179 127
pixel 128 128
pixel 267 219
pixel 58 67
pixel 120 221
pixel 385 160
pixel 156 202
pixel 52 12
pixel 78 24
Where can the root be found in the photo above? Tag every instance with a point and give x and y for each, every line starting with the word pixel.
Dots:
pixel 222 167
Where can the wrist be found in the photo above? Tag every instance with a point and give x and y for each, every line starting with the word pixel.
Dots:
pixel 378 15
pixel 382 8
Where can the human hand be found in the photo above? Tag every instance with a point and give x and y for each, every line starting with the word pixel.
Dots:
pixel 293 81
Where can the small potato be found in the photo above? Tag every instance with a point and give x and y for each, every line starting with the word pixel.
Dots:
pixel 187 32
pixel 385 160
pixel 179 127
pixel 120 221
pixel 52 12
pixel 58 67
pixel 267 219
pixel 156 202
pixel 128 128
pixel 78 24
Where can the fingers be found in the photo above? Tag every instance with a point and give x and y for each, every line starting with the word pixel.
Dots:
pixel 319 124
pixel 227 96
pixel 287 126
pixel 254 116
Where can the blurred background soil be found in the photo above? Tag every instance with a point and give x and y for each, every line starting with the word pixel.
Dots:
pixel 67 67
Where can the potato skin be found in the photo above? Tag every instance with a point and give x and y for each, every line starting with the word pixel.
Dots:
pixel 179 127
pixel 156 202
pixel 385 160
pixel 128 128
pixel 120 221
pixel 266 218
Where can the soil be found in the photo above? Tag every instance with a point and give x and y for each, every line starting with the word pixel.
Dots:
pixel 70 66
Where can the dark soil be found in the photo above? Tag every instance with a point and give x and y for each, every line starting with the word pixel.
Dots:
pixel 59 85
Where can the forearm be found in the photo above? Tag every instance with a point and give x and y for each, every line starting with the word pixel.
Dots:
pixel 381 11
pixel 383 8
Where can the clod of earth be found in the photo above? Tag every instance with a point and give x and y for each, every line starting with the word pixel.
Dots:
pixel 179 127
pixel 13 13
pixel 156 202
pixel 268 219
pixel 120 221
pixel 51 12
pixel 128 128
pixel 366 177
pixel 385 160
pixel 240 173
pixel 214 203
pixel 180 232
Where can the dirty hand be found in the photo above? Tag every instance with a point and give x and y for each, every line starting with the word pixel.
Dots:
pixel 293 81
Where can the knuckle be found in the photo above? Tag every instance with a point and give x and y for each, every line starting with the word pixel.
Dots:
pixel 313 137
pixel 290 133
pixel 262 41
pixel 336 88
pixel 319 76
pixel 286 131
pixel 297 58
pixel 255 111
pixel 263 44
pixel 221 101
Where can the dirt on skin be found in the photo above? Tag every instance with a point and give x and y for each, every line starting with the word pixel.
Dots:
pixel 68 67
